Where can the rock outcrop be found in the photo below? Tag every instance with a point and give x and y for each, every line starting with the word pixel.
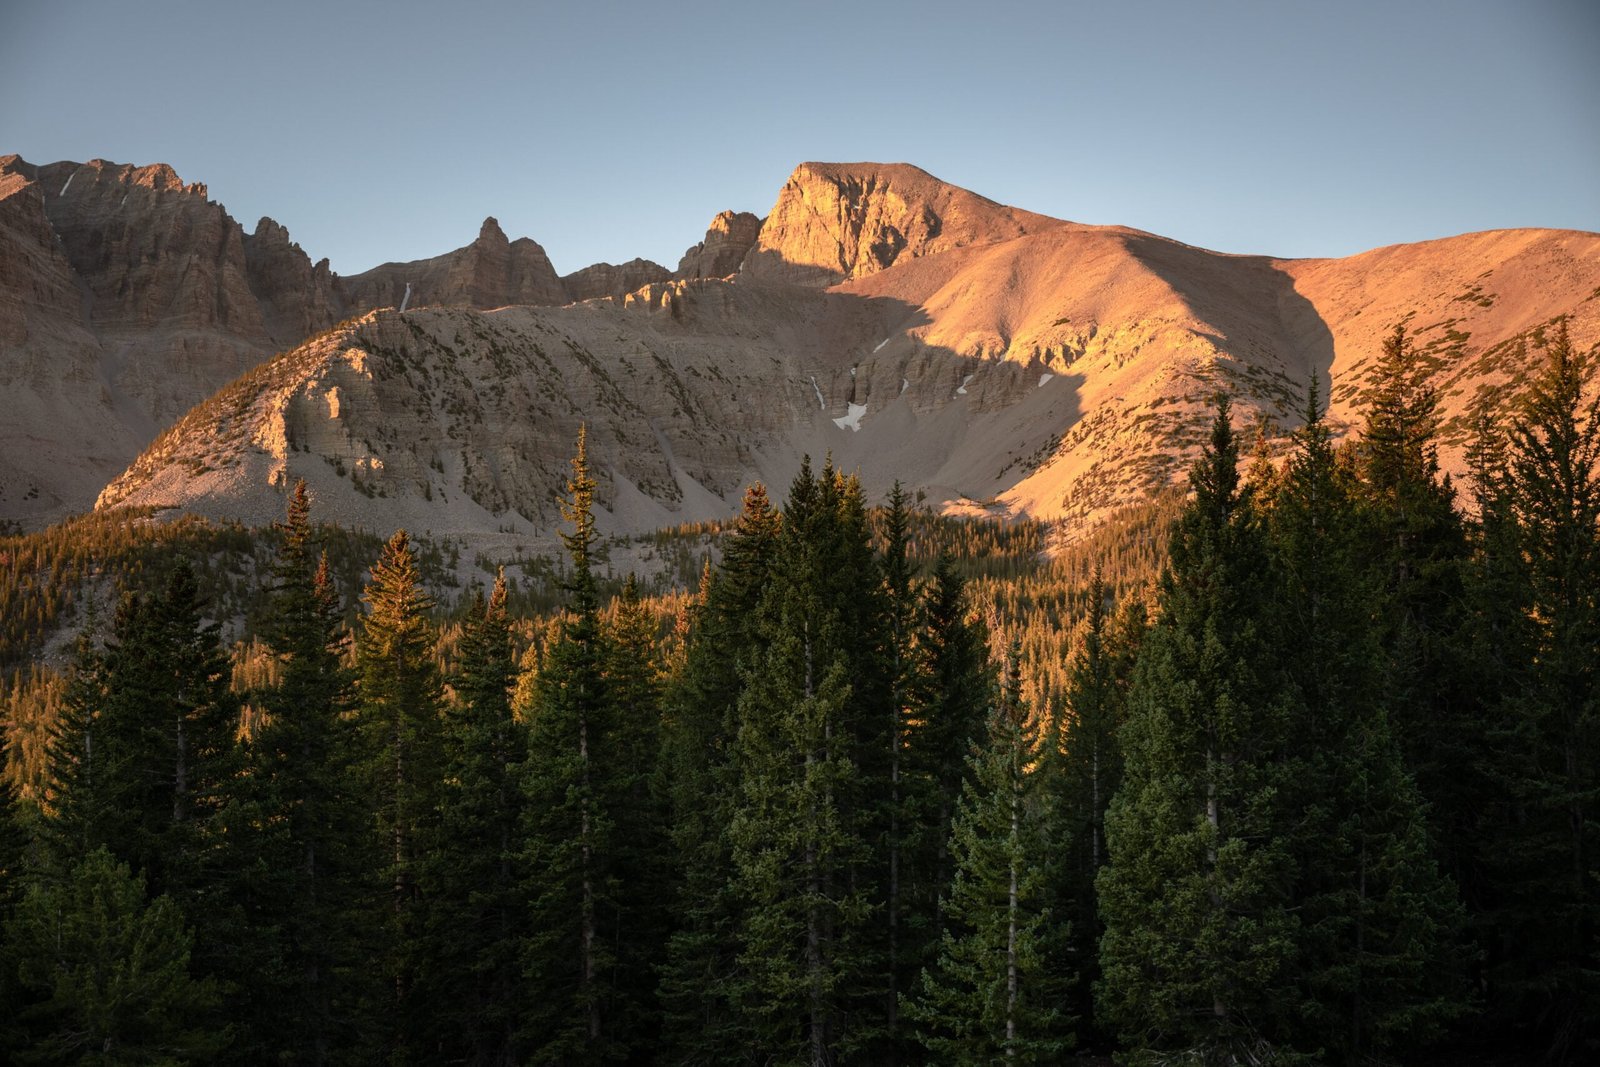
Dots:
pixel 297 298
pixel 491 272
pixel 612 279
pixel 835 221
pixel 728 240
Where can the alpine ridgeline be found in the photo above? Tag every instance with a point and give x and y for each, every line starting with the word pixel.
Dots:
pixel 990 358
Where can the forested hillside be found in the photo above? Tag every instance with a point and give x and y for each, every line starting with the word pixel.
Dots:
pixel 1302 767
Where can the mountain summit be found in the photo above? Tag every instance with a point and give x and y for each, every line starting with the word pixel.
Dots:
pixel 835 221
pixel 991 358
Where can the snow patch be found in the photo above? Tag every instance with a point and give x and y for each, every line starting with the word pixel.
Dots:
pixel 852 421
pixel 883 342
pixel 1045 377
pixel 961 390
pixel 821 403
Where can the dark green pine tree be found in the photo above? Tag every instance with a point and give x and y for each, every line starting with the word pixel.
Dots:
pixel 698 767
pixel 1546 856
pixel 1381 967
pixel 1200 938
pixel 951 697
pixel 995 993
pixel 804 870
pixel 107 974
pixel 398 717
pixel 314 852
pixel 1088 775
pixel 576 918
pixel 638 811
pixel 901 617
pixel 471 968
pixel 14 841
pixel 1422 544
pixel 147 766
pixel 73 801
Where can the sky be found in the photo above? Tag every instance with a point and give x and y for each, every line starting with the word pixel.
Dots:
pixel 603 130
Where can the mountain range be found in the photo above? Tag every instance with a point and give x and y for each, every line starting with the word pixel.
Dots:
pixel 991 359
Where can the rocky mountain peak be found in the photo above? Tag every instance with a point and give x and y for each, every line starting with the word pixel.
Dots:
pixel 728 240
pixel 835 221
pixel 490 233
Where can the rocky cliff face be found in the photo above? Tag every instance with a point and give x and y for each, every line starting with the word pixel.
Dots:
pixel 134 302
pixel 612 279
pixel 728 240
pixel 835 221
pixel 491 272
pixel 296 297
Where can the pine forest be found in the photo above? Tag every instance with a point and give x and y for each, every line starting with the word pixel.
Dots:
pixel 1299 767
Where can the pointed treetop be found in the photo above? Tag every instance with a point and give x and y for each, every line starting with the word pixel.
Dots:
pixel 1215 478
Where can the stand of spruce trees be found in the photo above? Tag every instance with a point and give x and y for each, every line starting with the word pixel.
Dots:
pixel 1333 798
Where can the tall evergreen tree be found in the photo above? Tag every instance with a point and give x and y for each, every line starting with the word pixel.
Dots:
pixel 580 1006
pixel 1089 773
pixel 147 767
pixel 698 979
pixel 305 878
pixel 398 717
pixel 901 609
pixel 1422 545
pixel 801 833
pixel 1199 933
pixel 952 695
pixel 472 967
pixel 633 687
pixel 994 995
pixel 1379 961
pixel 13 848
pixel 1546 861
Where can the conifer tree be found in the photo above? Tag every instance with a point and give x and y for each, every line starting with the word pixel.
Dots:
pixel 901 608
pixel 578 1006
pixel 1089 773
pixel 1422 547
pixel 1546 858
pixel 473 880
pixel 699 977
pixel 108 974
pixel 952 695
pixel 398 716
pixel 13 848
pixel 147 766
pixel 633 686
pixel 994 993
pixel 804 870
pixel 1199 932
pixel 1380 964
pixel 305 882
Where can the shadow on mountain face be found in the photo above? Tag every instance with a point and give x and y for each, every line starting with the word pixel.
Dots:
pixel 1248 307
pixel 853 381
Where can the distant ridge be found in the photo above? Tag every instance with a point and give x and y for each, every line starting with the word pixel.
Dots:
pixel 993 359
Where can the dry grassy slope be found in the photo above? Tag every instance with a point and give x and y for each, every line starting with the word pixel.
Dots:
pixel 1478 304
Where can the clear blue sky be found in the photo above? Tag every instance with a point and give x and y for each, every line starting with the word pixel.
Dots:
pixel 379 131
